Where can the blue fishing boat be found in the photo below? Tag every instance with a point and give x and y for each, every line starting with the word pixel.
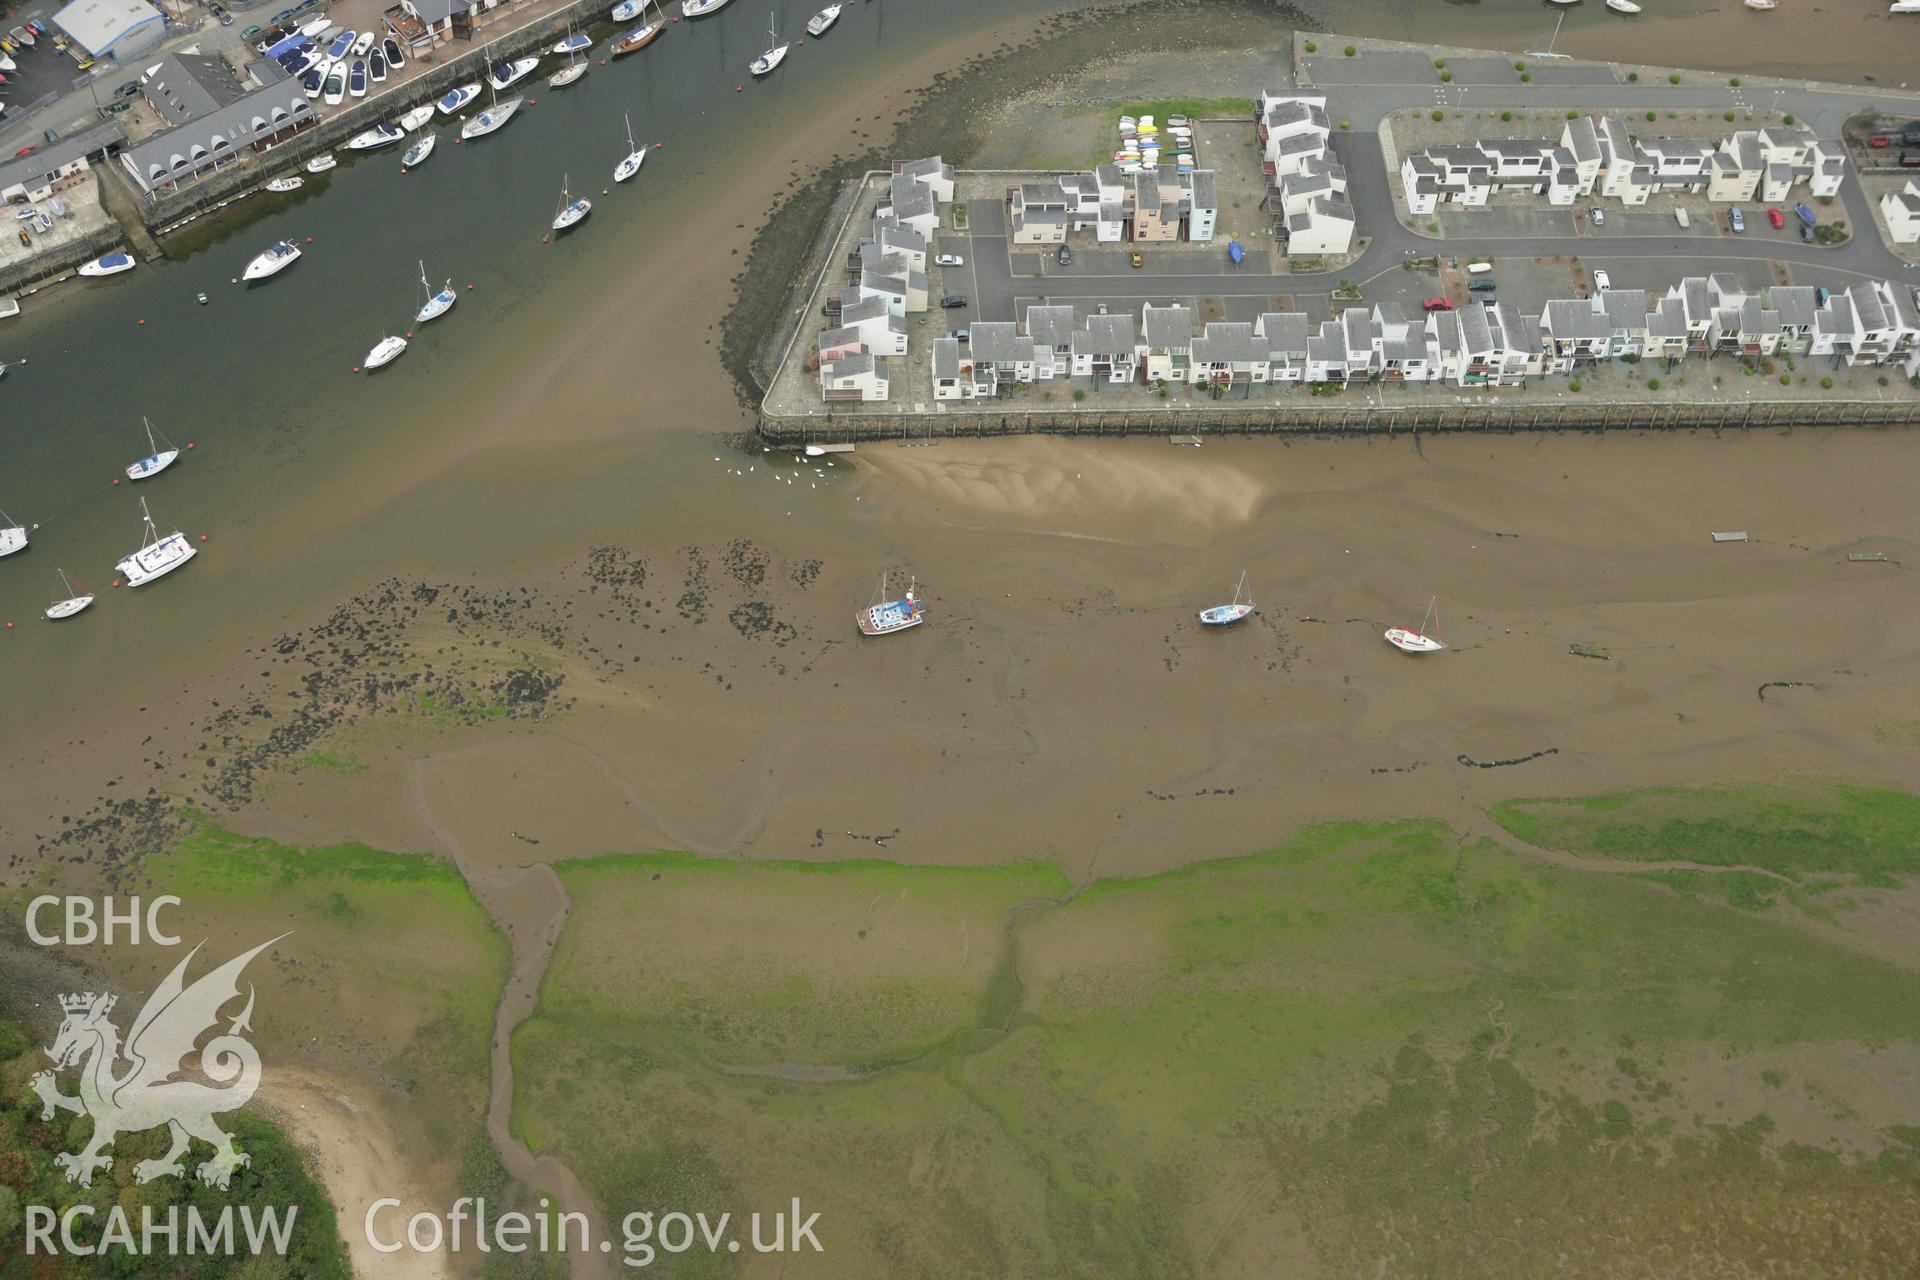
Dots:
pixel 883 617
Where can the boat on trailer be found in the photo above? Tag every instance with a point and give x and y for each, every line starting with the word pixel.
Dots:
pixel 1426 639
pixel 883 617
pixel 1225 615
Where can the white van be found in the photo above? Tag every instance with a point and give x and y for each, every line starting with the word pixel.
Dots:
pixel 1479 268
pixel 1680 216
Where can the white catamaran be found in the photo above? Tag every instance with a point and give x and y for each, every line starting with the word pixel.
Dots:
pixel 1225 615
pixel 157 459
pixel 76 599
pixel 157 556
pixel 883 617
pixel 1423 640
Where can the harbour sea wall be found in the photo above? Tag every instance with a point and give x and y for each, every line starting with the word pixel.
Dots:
pixel 1328 417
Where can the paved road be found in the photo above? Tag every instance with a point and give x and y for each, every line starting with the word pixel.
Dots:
pixel 1864 256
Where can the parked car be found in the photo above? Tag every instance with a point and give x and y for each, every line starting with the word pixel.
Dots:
pixel 1910 138
pixel 1805 215
pixel 1879 140
pixel 1806 233
pixel 28 150
pixel 1135 259
pixel 1601 281
pixel 950 260
pixel 250 34
pixel 1480 286
pixel 1820 296
pixel 127 90
pixel 960 334
pixel 1065 256
pixel 953 300
pixel 1436 304
pixel 1777 218
pixel 226 19
pixel 1910 159
pixel 1736 220
pixel 1597 216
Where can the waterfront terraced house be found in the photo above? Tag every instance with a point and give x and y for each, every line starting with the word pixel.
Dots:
pixel 1229 354
pixel 1283 336
pixel 1326 227
pixel 880 330
pixel 1293 129
pixel 1200 199
pixel 1796 306
pixel 1156 209
pixel 1667 335
pixel 857 377
pixel 910 203
pixel 955 375
pixel 889 237
pixel 1576 330
pixel 1051 330
pixel 1104 349
pixel 1446 345
pixel 1473 173
pixel 1744 326
pixel 1400 348
pixel 1004 355
pixel 1166 347
pixel 836 343
pixel 1766 164
pixel 1497 346
pixel 1040 212
pixel 896 266
pixel 1115 193
pixel 1580 139
pixel 932 173
pixel 178 157
pixel 1887 323
pixel 1626 311
pixel 1901 209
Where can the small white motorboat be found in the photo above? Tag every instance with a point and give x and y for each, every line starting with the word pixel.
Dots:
pixel 157 556
pixel 334 91
pixel 157 459
pixel 1425 640
pixel 108 264
pixel 384 134
pixel 699 8
pixel 419 151
pixel 436 304
pixel 320 164
pixel 456 98
pixel 1762 4
pixel 635 157
pixel 574 43
pixel 508 74
pixel 291 183
pixel 76 599
pixel 626 9
pixel 13 537
pixel 416 117
pixel 775 55
pixel 883 617
pixel 1904 6
pixel 817 25
pixel 275 260
pixel 570 212
pixel 384 353
pixel 1225 615
pixel 1623 6
pixel 493 118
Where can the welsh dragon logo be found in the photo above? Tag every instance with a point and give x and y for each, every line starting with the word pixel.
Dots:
pixel 150 1090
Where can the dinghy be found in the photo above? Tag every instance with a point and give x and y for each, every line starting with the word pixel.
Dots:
pixel 1225 615
pixel 320 164
pixel 76 599
pixel 1623 6
pixel 291 183
pixel 157 459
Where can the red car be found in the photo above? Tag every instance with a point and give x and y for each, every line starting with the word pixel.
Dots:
pixel 1879 140
pixel 1436 304
pixel 1777 218
pixel 28 150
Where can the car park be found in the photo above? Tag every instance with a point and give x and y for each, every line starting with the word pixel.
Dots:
pixel 1597 216
pixel 950 260
pixel 1601 281
pixel 1436 304
pixel 953 300
pixel 1736 220
pixel 1777 218
pixel 1136 260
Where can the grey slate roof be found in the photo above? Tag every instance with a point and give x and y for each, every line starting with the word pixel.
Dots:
pixel 1204 194
pixel 1626 308
pixel 1169 328
pixel 31 170
pixel 191 85
pixel 1796 303
pixel 1284 332
pixel 1574 319
pixel 1051 326
pixel 220 133
pixel 946 357
pixel 1108 335
pixel 999 340
pixel 1228 342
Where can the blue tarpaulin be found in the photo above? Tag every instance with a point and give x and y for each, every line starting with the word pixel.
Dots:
pixel 1235 252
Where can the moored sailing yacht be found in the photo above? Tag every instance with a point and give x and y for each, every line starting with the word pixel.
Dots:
pixel 156 461
pixel 493 118
pixel 641 36
pixel 570 212
pixel 884 617
pixel 635 158
pixel 13 537
pixel 1225 615
pixel 157 556
pixel 419 151
pixel 437 304
pixel 1423 640
pixel 776 52
pixel 76 599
